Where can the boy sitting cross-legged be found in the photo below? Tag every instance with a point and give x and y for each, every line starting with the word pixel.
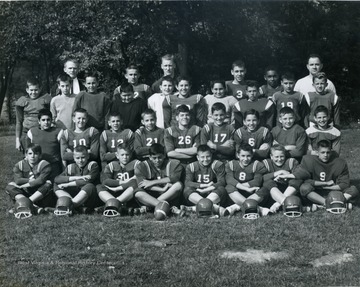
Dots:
pixel 290 135
pixel 275 166
pixel 75 187
pixel 110 139
pixel 205 178
pixel 219 135
pixel 158 179
pixel 81 135
pixel 118 181
pixel 147 135
pixel 31 185
pixel 244 179
pixel 324 173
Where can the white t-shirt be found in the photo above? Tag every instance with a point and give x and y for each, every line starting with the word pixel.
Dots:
pixel 305 85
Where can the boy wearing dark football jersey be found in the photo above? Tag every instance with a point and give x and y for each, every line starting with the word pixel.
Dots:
pixel 48 138
pixel 272 86
pixel 219 135
pixel 81 135
pixel 147 135
pixel 251 133
pixel 323 173
pixel 195 103
pixel 129 107
pixel 276 166
pixel 96 103
pixel 110 139
pixel 181 141
pixel 323 97
pixel 78 180
pixel 323 131
pixel 158 178
pixel 262 105
pixel 237 86
pixel 31 180
pixel 290 135
pixel 287 97
pixel 118 178
pixel 132 75
pixel 244 179
pixel 205 178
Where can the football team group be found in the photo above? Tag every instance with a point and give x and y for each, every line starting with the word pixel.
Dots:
pixel 241 148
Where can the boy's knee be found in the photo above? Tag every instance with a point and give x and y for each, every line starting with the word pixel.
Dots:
pixel 353 191
pixel 188 191
pixel 306 188
pixel 89 189
pixel 45 189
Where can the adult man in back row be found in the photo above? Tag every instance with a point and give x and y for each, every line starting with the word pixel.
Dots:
pixel 305 85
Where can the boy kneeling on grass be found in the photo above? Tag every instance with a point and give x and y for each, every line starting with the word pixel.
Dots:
pixel 31 187
pixel 118 182
pixel 205 178
pixel 75 187
pixel 327 182
pixel 158 180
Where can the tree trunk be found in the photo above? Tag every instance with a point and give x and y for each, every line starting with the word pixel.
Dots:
pixel 4 83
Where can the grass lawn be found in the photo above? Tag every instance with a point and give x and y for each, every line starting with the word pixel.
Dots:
pixel 90 250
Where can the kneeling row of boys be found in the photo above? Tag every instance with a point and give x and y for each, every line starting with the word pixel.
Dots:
pixel 206 187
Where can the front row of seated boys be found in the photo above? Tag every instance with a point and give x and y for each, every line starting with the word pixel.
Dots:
pixel 322 180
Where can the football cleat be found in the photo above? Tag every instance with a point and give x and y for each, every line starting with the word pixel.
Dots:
pixel 223 212
pixel 112 208
pixel 275 207
pixel 335 202
pixel 64 206
pixel 191 209
pixel 141 210
pixel 251 209
pixel 292 206
pixel 204 208
pixel 23 208
pixel 178 212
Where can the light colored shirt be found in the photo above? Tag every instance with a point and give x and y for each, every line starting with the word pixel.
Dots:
pixel 305 85
pixel 155 102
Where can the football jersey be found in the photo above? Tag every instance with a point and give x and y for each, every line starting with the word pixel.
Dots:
pixel 140 91
pixel 27 111
pixel 262 105
pixel 293 101
pixel 255 139
pixel 197 174
pixel 49 140
pixel 170 168
pixel 313 169
pixel 195 103
pixel 219 135
pixel 294 136
pixel 23 171
pixel 289 165
pixel 227 101
pixel 70 139
pixel 115 174
pixel 236 90
pixel 331 134
pixel 251 174
pixel 110 140
pixel 145 138
pixel 91 168
pixel 268 91
pixel 329 100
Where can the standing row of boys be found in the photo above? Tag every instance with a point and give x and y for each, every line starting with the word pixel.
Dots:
pixel 241 148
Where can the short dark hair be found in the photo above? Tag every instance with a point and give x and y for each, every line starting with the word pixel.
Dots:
pixel 271 68
pixel 167 79
pixel 80 110
pixel 183 78
pixel 126 88
pixel 132 67
pixel 324 143
pixel 251 83
pixel 203 148
pixel 81 148
pixel 218 107
pixel 32 82
pixel 92 74
pixel 34 147
pixel 156 149
pixel 238 63
pixel 212 83
pixel 245 147
pixel 182 109
pixel 63 77
pixel 321 109
pixel 314 56
pixel 148 112
pixel 114 114
pixel 251 112
pixel 44 112
pixel 288 76
pixel 124 146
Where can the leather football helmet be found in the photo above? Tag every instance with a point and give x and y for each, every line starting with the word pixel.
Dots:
pixel 204 208
pixel 64 206
pixel 112 207
pixel 292 206
pixel 335 202
pixel 251 209
pixel 24 208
